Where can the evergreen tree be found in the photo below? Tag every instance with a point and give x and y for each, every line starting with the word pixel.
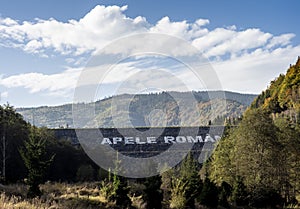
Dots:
pixel 13 131
pixel 120 188
pixel 189 173
pixel 188 185
pixel 178 193
pixel 221 167
pixel 36 161
pixel 166 185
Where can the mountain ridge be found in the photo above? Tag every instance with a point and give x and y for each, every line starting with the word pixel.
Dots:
pixel 145 109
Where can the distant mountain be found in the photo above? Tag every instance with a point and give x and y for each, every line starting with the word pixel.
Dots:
pixel 155 109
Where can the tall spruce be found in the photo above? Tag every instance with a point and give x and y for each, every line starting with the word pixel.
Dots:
pixel 188 184
pixel 36 161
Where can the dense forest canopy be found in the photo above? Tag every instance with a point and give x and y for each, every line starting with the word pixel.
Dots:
pixel 263 151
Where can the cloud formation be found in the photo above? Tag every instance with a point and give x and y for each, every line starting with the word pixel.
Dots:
pixel 105 24
pixel 239 56
pixel 56 84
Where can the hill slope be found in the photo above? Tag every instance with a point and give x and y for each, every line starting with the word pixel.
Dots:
pixel 283 95
pixel 157 109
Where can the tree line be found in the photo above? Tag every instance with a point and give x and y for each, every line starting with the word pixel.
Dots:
pixel 70 163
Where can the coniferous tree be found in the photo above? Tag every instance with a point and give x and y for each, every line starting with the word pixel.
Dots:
pixel 166 185
pixel 13 131
pixel 187 186
pixel 189 173
pixel 36 161
pixel 178 197
pixel 221 168
pixel 290 159
pixel 120 187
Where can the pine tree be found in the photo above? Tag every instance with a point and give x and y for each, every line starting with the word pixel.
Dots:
pixel 289 172
pixel 36 161
pixel 188 184
pixel 221 168
pixel 120 187
pixel 189 173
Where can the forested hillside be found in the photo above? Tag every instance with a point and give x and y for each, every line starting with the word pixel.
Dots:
pixel 260 157
pixel 141 108
pixel 283 95
pixel 255 165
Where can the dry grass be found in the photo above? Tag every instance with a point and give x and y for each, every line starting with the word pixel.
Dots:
pixel 14 202
pixel 55 196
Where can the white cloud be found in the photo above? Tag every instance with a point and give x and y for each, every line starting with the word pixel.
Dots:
pixel 94 30
pixel 55 84
pixel 245 59
pixel 281 40
pixel 104 24
pixel 181 29
pixel 8 22
pixel 33 46
pixel 238 42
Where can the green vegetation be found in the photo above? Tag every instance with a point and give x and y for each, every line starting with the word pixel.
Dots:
pixel 13 132
pixel 186 184
pixel 260 157
pixel 255 165
pixel 36 161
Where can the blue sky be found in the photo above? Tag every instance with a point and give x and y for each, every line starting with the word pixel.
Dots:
pixel 42 52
